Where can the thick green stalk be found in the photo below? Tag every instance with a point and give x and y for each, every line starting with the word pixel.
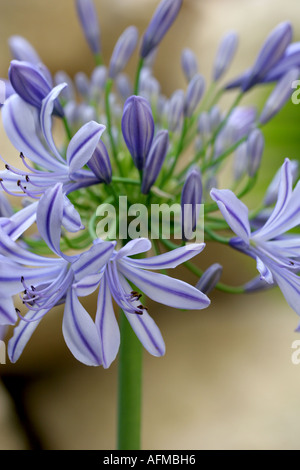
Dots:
pixel 130 388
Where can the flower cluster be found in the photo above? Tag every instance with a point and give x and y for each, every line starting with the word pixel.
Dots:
pixel 125 137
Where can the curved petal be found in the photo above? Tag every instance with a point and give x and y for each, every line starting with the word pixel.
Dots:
pixel 164 289
pixel 107 325
pixel 22 334
pixel 93 260
pixel 289 284
pixel 83 145
pixel 46 119
pixel 19 121
pixel 80 332
pixel 145 327
pixel 71 218
pixel 234 212
pixel 88 284
pixel 168 260
pixel 134 247
pixel 22 220
pixel 50 215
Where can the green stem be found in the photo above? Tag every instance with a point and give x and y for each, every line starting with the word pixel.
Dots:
pixel 137 77
pixel 98 59
pixel 120 179
pixel 67 128
pixel 130 388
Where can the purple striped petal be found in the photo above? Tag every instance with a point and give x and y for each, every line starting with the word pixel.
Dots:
pixel 234 212
pixel 93 260
pixel 88 284
pixel 164 289
pixel 134 247
pixel 155 160
pixel 289 284
pixel 22 220
pixel 170 259
pixel 22 334
pixel 71 219
pixel 46 119
pixel 50 215
pixel 107 325
pixel 144 327
pixel 19 121
pixel 138 128
pixel 80 332
pixel 83 145
pixel 265 273
pixel 100 163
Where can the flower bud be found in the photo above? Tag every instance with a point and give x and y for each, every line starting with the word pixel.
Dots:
pixel 175 110
pixel 240 162
pixel 82 83
pixel 30 84
pixel 98 79
pixel 22 50
pixel 289 60
pixel 194 94
pixel 124 86
pixel 189 64
pixel 138 128
pixel 123 50
pixel 191 198
pixel 163 18
pixel 279 96
pixel 155 160
pixel 270 53
pixel 87 15
pixel 225 55
pixel 203 126
pixel 210 278
pixel 100 163
pixel 255 148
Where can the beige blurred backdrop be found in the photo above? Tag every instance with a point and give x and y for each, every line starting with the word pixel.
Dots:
pixel 227 380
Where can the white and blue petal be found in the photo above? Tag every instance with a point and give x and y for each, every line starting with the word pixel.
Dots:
pixel 107 325
pixel 80 332
pixel 164 289
pixel 234 212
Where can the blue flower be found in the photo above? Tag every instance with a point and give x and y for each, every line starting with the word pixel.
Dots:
pixel 47 282
pixel 276 252
pixel 21 123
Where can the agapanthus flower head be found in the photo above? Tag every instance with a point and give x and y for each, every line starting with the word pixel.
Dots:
pixel 138 128
pixel 87 15
pixel 123 50
pixel 275 250
pixel 163 18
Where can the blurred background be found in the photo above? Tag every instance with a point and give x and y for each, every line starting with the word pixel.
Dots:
pixel 227 380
